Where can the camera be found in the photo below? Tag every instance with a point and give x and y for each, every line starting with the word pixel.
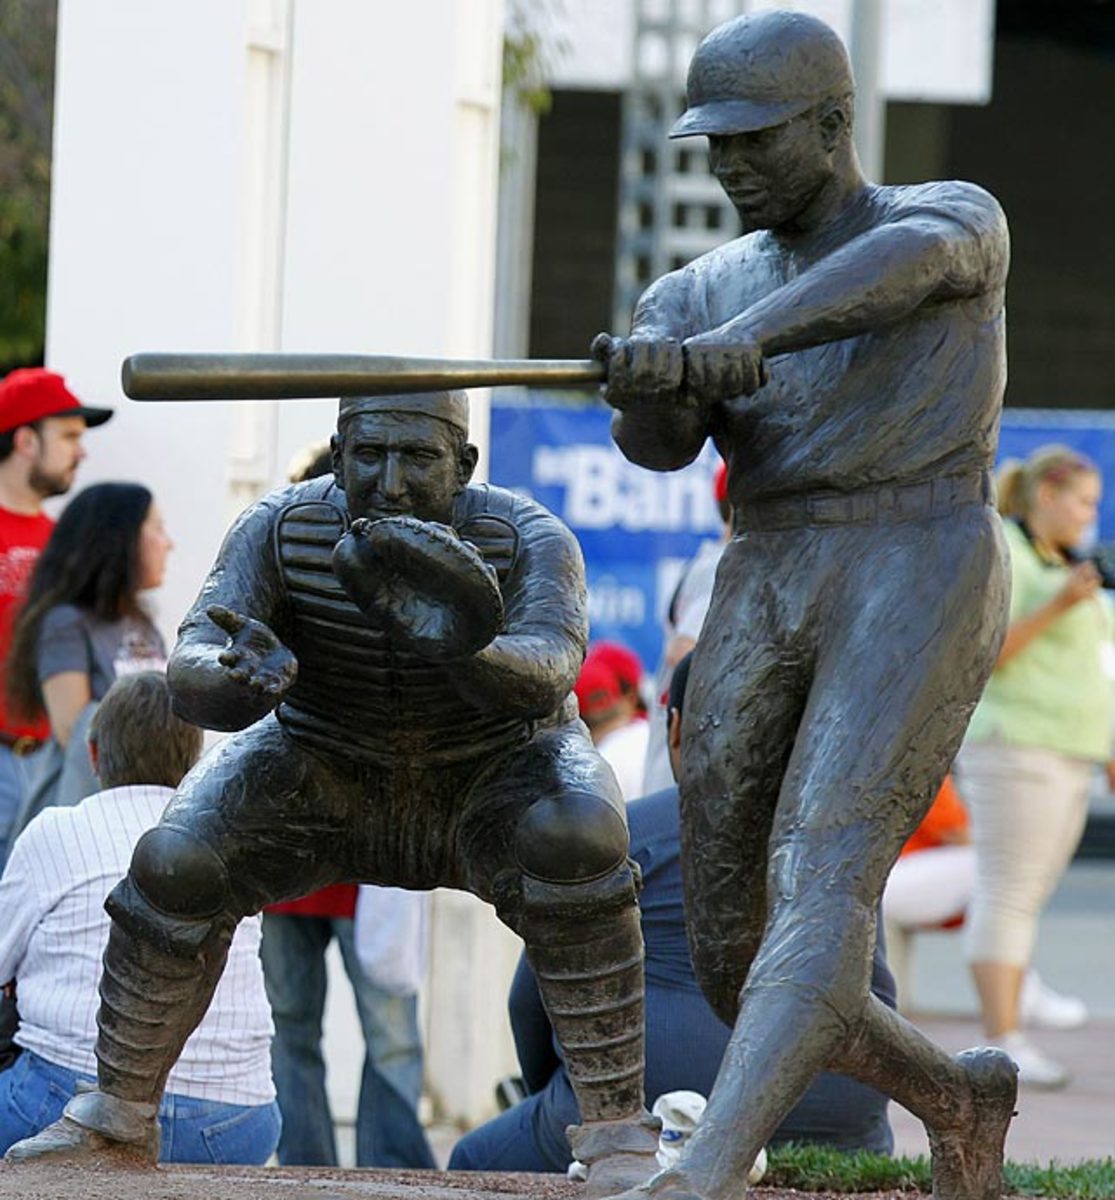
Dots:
pixel 1102 558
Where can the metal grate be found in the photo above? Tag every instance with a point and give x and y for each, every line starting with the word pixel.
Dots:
pixel 671 209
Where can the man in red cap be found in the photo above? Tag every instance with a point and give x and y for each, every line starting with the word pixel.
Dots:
pixel 608 698
pixel 41 426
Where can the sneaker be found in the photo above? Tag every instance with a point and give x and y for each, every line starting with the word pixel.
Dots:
pixel 1035 1069
pixel 1042 1008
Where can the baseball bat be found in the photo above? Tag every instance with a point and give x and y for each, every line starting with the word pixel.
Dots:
pixel 307 376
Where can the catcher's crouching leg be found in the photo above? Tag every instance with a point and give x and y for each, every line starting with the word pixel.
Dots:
pixel 166 950
pixel 579 919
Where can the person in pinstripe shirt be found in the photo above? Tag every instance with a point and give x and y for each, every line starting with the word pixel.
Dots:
pixel 220 1101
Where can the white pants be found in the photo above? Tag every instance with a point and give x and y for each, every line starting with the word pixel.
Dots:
pixel 1028 807
pixel 930 886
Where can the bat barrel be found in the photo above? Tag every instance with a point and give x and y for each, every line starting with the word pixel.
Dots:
pixel 308 376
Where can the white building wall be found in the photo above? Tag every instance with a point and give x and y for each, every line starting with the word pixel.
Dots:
pixel 932 50
pixel 279 174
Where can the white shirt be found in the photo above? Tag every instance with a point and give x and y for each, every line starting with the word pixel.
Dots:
pixel 689 608
pixel 624 750
pixel 53 933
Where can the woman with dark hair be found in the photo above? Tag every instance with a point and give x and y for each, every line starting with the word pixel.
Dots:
pixel 82 625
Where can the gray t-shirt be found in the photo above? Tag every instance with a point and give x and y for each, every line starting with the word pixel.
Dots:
pixel 73 639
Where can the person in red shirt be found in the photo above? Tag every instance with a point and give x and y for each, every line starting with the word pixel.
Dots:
pixel 41 428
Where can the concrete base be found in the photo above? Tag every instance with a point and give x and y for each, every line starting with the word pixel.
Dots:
pixel 40 1181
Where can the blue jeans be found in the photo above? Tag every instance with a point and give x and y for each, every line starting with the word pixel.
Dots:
pixel 388 1133
pixel 13 788
pixel 33 1093
pixel 684 1046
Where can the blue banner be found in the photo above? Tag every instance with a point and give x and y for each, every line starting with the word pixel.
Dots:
pixel 639 528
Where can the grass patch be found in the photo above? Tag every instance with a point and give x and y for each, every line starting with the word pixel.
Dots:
pixel 818 1169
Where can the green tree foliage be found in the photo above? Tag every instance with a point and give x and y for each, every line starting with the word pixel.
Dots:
pixel 530 51
pixel 27 34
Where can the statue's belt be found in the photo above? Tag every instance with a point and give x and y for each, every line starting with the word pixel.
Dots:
pixel 886 503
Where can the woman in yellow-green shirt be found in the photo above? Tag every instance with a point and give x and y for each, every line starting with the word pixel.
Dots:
pixel 1044 723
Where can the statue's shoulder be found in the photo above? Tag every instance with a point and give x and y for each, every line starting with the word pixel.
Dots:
pixel 488 501
pixel 754 247
pixel 312 512
pixel 959 199
pixel 498 521
pixel 314 495
pixel 972 220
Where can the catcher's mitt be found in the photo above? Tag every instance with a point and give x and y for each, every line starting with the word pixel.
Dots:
pixel 431 591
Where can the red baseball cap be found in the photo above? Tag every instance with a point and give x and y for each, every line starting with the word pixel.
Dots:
pixel 624 664
pixel 720 483
pixel 31 393
pixel 597 688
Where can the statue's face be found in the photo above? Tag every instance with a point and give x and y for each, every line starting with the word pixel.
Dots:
pixel 773 175
pixel 401 464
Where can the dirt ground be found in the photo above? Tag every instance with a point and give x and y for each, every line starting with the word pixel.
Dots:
pixel 39 1182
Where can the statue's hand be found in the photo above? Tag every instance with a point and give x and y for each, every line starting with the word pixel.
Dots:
pixel 718 369
pixel 254 657
pixel 432 593
pixel 640 369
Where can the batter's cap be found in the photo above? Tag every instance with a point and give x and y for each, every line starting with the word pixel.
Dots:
pixel 450 407
pixel 761 70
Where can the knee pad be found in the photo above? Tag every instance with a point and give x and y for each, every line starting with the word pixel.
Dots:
pixel 179 874
pixel 571 838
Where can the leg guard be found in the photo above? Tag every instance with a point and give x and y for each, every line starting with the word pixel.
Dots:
pixel 159 976
pixel 585 945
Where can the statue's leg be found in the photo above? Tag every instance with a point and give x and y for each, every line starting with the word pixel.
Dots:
pixel 905 629
pixel 258 820
pixel 966 1101
pixel 747 689
pixel 545 838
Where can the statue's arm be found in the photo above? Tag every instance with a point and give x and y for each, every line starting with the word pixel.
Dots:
pixel 244 581
pixel 655 422
pixel 931 254
pixel 529 668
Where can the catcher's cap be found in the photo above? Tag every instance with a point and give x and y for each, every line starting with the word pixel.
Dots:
pixel 451 407
pixel 761 70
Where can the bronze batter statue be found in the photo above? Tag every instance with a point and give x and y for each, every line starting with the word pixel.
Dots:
pixel 397 648
pixel 846 355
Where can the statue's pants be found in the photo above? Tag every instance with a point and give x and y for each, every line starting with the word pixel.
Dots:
pixel 830 689
pixel 537 829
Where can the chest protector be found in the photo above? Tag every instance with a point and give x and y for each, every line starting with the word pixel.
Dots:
pixel 357 695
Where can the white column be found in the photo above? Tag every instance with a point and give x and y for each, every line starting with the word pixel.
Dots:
pixel 866 47
pixel 252 444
